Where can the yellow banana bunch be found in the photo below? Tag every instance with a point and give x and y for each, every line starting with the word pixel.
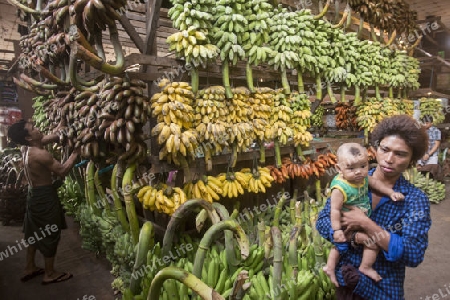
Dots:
pixel 432 107
pixel 162 198
pixel 207 188
pixel 260 180
pixel 234 184
pixel 301 135
pixel 184 143
pixel 280 119
pixel 372 111
pixel 262 102
pixel 210 105
pixel 242 133
pixel 173 104
pixel 239 109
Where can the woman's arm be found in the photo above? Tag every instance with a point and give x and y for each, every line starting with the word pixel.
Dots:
pixel 407 240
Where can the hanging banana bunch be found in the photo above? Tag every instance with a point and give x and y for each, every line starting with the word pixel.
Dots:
pixel 258 13
pixel 228 31
pixel 173 110
pixel 193 41
pixel 300 121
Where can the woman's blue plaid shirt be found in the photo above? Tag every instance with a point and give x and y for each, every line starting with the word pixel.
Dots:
pixel 408 222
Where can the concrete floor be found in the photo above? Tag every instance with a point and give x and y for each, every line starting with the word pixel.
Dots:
pixel 431 280
pixel 91 274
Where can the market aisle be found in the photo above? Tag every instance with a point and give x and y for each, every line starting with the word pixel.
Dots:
pixel 433 275
pixel 91 275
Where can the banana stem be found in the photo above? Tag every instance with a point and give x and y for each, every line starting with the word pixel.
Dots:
pixel 330 92
pixel 262 153
pixel 207 239
pixel 300 152
pixel 90 187
pixel 249 77
pixel 318 87
pixel 292 206
pixel 372 33
pixel 300 83
pixel 324 10
pixel 146 241
pixel 194 79
pixel 25 8
pixel 318 190
pixel 37 84
pixel 391 92
pixel 261 233
pixel 73 75
pixel 277 260
pixel 392 38
pixel 343 19
pixel 357 95
pixel 101 193
pixel 226 79
pixel 232 261
pixel 277 153
pixel 117 202
pixel 128 194
pixel 343 90
pixel 278 209
pixel 361 27
pixel 366 136
pixel 336 11
pixel 99 63
pixel 180 215
pixel 234 154
pixel 285 81
pixel 293 259
pixel 49 75
pixel 195 284
pixel 377 92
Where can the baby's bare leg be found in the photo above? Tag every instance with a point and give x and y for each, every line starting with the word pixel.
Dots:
pixel 332 261
pixel 368 259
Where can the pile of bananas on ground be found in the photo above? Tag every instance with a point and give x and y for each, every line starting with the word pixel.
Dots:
pixel 345 115
pixel 71 196
pixel 300 121
pixel 434 189
pixel 317 117
pixel 173 110
pixel 162 198
pixel 432 107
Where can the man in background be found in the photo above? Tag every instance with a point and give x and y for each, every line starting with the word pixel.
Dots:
pixel 430 161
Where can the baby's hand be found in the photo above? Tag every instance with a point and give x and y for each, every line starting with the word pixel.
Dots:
pixel 339 236
pixel 395 196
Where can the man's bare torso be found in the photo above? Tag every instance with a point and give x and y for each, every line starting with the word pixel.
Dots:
pixel 39 174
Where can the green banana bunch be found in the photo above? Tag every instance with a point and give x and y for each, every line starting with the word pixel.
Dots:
pixel 432 107
pixel 197 14
pixel 40 116
pixel 434 189
pixel 317 117
pixel 71 196
pixel 192 45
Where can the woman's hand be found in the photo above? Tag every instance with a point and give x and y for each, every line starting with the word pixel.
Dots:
pixel 353 219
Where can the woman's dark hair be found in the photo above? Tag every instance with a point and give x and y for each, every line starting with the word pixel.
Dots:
pixel 407 129
pixel 17 132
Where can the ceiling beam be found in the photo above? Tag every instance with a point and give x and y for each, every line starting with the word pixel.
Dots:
pixel 134 36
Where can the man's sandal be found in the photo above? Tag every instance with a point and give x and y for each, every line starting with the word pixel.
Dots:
pixel 60 278
pixel 35 273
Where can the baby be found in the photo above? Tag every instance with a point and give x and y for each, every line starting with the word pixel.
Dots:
pixel 350 187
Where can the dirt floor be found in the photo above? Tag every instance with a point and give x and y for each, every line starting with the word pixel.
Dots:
pixel 431 280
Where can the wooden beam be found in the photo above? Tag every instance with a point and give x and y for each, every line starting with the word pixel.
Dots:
pixel 152 8
pixel 134 36
pixel 7 51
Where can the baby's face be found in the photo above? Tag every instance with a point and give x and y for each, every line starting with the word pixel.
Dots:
pixel 354 170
